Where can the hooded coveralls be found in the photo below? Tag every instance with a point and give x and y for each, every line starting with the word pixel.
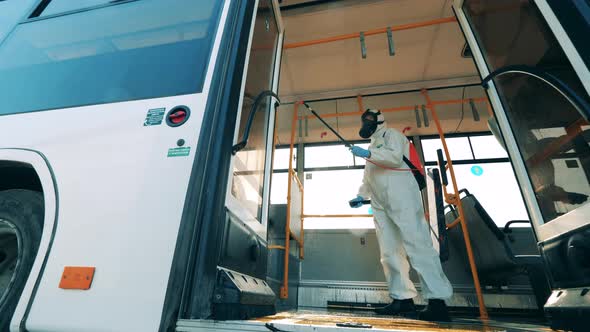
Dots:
pixel 402 230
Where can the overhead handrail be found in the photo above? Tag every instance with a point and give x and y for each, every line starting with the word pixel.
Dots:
pixel 372 32
pixel 399 108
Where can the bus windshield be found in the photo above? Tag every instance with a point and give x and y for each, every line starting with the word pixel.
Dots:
pixel 128 51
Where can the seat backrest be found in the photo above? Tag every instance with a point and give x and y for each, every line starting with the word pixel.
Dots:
pixel 436 213
pixel 493 257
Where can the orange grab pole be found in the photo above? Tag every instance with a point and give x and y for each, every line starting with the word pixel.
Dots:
pixel 371 32
pixel 454 223
pixel 285 288
pixel 301 244
pixel 359 100
pixel 482 309
pixel 299 238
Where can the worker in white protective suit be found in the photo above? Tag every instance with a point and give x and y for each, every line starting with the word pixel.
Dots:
pixel 402 230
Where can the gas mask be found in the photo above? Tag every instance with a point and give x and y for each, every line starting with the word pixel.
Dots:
pixel 370 123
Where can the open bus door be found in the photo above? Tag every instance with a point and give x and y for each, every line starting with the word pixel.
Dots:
pixel 534 66
pixel 223 255
pixel 245 246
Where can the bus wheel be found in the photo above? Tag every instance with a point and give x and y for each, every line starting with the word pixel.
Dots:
pixel 21 225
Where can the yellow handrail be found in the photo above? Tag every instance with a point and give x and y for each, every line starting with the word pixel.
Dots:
pixel 288 233
pixel 299 184
pixel 455 200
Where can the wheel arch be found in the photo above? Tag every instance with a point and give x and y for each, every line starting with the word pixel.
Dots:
pixel 19 175
pixel 31 170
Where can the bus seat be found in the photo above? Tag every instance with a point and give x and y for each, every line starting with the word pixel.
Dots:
pixel 493 255
pixel 436 213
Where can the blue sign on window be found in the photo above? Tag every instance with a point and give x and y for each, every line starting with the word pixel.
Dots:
pixel 477 170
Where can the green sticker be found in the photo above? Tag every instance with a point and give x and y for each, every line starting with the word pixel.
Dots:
pixel 154 117
pixel 179 152
pixel 379 146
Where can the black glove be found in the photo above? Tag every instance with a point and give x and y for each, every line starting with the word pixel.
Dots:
pixel 575 198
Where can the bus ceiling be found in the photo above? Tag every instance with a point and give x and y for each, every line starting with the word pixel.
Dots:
pixel 353 64
pixel 428 46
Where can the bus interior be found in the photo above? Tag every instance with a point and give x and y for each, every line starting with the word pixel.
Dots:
pixel 237 217
pixel 413 62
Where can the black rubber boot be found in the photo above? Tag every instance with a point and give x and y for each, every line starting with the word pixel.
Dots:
pixel 404 308
pixel 435 311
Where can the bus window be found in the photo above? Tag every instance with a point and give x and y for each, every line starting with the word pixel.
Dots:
pixel 486 147
pixel 328 192
pixel 278 190
pixel 482 166
pixel 549 131
pixel 330 156
pixel 102 56
pixel 459 148
pixel 281 159
pixel 249 164
pixel 495 187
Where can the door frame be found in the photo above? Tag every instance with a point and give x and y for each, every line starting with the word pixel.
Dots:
pixel 259 227
pixel 566 43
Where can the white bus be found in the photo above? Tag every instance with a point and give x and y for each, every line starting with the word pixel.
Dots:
pixel 136 158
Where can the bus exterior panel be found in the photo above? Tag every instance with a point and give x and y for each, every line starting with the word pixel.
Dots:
pixel 120 170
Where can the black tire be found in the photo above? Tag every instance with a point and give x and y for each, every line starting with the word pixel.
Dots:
pixel 21 217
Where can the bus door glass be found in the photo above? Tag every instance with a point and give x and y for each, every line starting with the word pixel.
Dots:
pixel 550 133
pixel 250 165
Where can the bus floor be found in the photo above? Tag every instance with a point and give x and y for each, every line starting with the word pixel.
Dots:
pixel 318 320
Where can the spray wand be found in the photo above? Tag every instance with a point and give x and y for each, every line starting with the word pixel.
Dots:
pixel 346 143
pixel 350 145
